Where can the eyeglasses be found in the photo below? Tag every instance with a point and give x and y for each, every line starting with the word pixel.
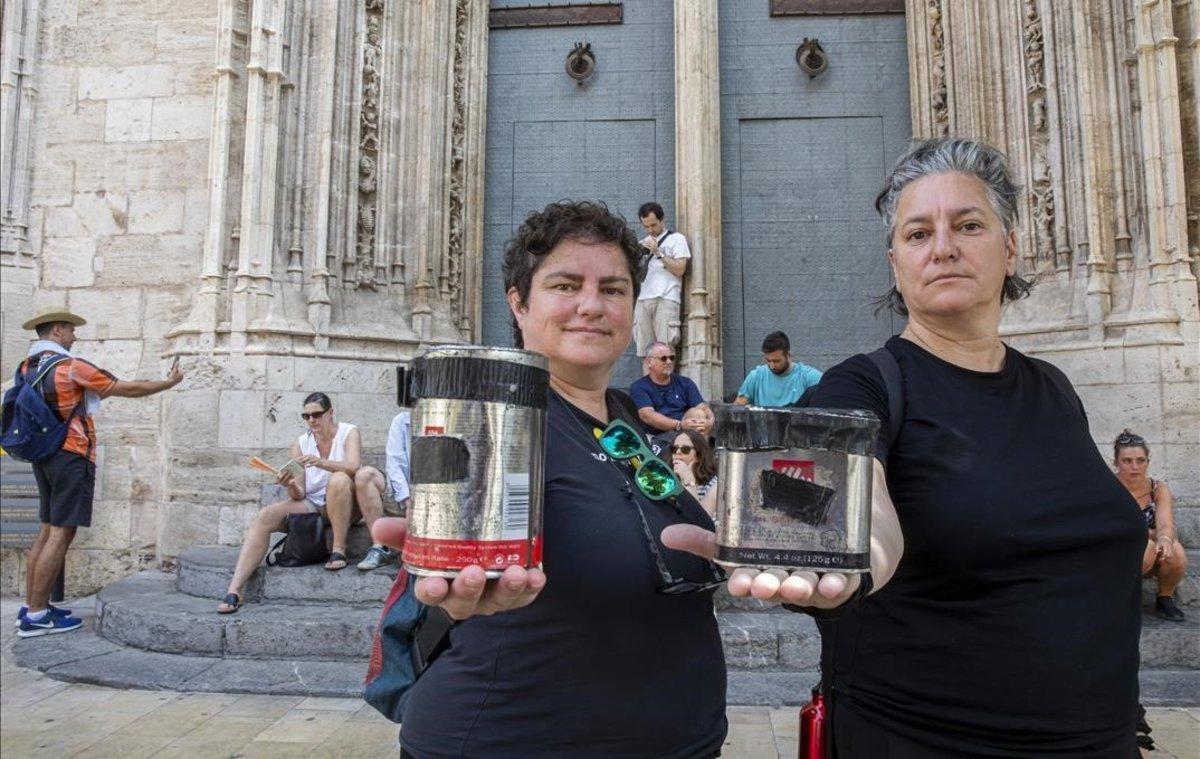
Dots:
pixel 314 415
pixel 686 450
pixel 654 478
pixel 664 359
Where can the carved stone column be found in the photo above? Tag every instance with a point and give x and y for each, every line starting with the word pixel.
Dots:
pixel 698 184
pixel 18 61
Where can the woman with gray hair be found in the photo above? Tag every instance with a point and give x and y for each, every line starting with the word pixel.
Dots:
pixel 1001 614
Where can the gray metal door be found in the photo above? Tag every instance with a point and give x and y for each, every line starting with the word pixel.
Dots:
pixel 548 138
pixel 802 159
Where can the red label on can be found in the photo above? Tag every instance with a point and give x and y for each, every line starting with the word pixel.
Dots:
pixel 431 430
pixel 451 554
pixel 795 468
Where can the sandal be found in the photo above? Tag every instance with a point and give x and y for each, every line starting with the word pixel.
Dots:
pixel 337 560
pixel 230 604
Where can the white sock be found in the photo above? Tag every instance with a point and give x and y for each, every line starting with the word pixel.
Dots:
pixel 37 616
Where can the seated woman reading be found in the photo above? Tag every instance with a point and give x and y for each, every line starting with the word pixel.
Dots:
pixel 335 485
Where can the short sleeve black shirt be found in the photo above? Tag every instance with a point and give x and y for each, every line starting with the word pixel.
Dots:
pixel 600 665
pixel 1011 625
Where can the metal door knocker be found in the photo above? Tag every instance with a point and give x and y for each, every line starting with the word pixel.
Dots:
pixel 812 57
pixel 581 62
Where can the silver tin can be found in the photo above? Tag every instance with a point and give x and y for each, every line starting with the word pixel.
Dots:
pixel 477 460
pixel 795 488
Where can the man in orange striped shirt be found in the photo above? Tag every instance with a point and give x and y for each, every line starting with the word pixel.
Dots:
pixel 66 481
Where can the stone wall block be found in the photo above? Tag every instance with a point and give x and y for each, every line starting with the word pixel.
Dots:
pixel 130 473
pixel 175 257
pixel 121 357
pixel 184 41
pixel 195 214
pixel 190 416
pixel 283 422
pixel 12 571
pixel 153 212
pixel 110 527
pixel 119 167
pixel 371 412
pixel 67 262
pixel 181 117
pixel 59 12
pixel 1113 407
pixel 52 183
pixel 241 419
pixel 1179 363
pixel 1087 367
pixel 1176 463
pixel 183 525
pixel 145 10
pixel 90 569
pixel 228 372
pixel 127 120
pixel 164 307
pixel 211 476
pixel 194 80
pixel 143 526
pixel 91 214
pixel 1181 413
pixel 110 315
pixel 232 523
pixel 280 372
pixel 111 82
pixel 330 375
pixel 84 122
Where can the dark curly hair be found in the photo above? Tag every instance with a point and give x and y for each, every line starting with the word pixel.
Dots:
pixel 1129 439
pixel 583 221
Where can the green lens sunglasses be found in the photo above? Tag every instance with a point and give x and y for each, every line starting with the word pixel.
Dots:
pixel 653 477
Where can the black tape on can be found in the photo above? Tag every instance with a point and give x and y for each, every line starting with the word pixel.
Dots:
pixel 438 460
pixel 468 378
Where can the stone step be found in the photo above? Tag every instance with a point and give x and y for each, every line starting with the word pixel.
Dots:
pixel 204 572
pixel 1187 593
pixel 145 611
pixel 1171 645
pixel 85 657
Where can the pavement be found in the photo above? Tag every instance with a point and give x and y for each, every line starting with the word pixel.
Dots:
pixel 40 715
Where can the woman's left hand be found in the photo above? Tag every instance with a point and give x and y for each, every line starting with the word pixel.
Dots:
pixel 824 591
pixel 684 473
pixel 471 593
pixel 308 461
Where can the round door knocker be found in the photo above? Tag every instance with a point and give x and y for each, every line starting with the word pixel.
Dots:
pixel 581 62
pixel 812 57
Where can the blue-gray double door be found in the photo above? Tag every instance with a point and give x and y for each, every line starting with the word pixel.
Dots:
pixel 803 250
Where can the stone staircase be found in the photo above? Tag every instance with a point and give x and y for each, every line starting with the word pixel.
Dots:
pixel 305 631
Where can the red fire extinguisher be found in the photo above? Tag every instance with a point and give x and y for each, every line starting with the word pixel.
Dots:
pixel 813 727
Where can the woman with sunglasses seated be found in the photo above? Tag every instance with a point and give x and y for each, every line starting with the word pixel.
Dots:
pixel 334 484
pixel 620 653
pixel 696 467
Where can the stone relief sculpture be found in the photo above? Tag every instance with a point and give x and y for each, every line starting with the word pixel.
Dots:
pixel 1041 188
pixel 368 145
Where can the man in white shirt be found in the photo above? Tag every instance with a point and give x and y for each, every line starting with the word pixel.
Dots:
pixel 656 316
pixel 397 477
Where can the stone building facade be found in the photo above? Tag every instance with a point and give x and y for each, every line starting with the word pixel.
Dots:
pixel 293 196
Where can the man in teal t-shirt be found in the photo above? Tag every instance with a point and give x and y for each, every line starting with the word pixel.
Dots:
pixel 779 380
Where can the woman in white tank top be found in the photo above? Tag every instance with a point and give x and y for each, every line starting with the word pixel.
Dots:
pixel 335 484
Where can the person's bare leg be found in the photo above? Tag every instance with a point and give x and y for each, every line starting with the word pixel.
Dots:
pixel 369 487
pixel 1149 558
pixel 339 508
pixel 258 536
pixel 49 564
pixel 31 561
pixel 1171 571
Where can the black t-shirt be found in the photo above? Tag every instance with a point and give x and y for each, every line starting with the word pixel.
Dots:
pixel 1011 625
pixel 600 665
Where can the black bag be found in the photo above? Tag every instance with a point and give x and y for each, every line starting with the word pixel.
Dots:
pixel 306 542
pixel 643 266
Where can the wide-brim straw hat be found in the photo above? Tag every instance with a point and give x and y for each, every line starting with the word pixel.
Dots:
pixel 53 315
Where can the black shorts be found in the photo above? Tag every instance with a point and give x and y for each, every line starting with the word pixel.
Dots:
pixel 66 487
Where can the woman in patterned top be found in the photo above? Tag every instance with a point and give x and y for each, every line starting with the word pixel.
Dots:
pixel 1165 557
pixel 695 465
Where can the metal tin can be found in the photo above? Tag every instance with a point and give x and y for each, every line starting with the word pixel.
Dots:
pixel 795 488
pixel 477 460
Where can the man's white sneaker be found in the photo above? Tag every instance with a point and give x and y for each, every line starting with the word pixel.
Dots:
pixel 375 558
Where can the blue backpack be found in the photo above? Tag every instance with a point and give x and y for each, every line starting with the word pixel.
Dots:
pixel 30 429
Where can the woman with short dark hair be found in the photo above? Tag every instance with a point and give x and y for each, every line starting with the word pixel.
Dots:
pixel 620 654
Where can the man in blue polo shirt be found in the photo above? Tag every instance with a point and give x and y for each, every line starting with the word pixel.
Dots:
pixel 779 380
pixel 662 396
